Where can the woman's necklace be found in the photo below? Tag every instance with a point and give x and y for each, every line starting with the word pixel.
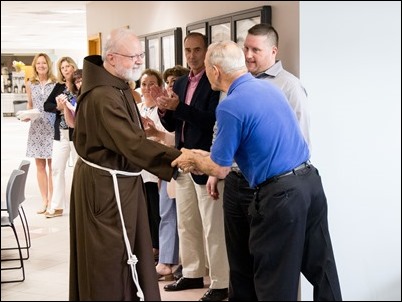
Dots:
pixel 146 111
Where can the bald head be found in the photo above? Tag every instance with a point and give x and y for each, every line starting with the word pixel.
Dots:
pixel 227 55
pixel 224 63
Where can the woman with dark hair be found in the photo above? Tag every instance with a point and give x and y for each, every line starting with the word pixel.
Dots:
pixel 69 108
pixel 168 236
pixel 77 80
pixel 154 131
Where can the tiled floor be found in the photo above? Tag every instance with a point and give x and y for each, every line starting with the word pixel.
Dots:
pixel 47 268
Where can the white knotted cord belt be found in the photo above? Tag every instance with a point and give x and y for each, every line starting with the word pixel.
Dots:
pixel 132 259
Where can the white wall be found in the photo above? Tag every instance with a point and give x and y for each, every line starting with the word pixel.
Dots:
pixel 146 17
pixel 350 56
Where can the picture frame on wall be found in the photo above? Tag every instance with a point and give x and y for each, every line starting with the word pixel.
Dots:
pixel 242 26
pixel 168 51
pixel 220 30
pixel 199 27
pixel 142 41
pixel 232 26
pixel 153 51
pixel 163 49
pixel 244 20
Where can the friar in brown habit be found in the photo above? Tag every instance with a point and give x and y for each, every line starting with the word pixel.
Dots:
pixel 109 138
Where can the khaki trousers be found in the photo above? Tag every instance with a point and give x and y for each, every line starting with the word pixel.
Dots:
pixel 201 232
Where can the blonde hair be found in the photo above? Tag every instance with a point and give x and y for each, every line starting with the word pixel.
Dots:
pixel 60 77
pixel 50 75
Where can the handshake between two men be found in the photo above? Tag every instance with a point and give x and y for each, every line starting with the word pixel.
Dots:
pixel 187 161
pixel 199 162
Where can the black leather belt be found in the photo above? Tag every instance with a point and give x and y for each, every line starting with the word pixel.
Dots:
pixel 306 164
pixel 237 171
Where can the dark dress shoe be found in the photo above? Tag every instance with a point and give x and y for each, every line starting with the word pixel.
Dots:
pixel 177 274
pixel 185 283
pixel 215 294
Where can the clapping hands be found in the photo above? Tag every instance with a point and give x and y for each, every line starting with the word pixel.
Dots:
pixel 62 103
pixel 61 99
pixel 163 100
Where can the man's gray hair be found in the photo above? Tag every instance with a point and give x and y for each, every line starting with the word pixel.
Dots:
pixel 114 40
pixel 227 55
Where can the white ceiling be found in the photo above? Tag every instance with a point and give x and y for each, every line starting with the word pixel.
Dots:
pixel 33 26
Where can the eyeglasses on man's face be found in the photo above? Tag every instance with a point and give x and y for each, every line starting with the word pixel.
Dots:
pixel 133 57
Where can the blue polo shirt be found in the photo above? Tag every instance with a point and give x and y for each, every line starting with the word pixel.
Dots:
pixel 259 130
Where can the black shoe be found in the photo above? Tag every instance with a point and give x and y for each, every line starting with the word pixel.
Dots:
pixel 177 274
pixel 185 283
pixel 215 294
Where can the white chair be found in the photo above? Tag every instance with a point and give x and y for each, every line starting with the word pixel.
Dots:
pixel 14 186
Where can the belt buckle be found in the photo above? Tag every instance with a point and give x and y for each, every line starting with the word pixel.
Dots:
pixel 302 166
pixel 275 178
pixel 236 170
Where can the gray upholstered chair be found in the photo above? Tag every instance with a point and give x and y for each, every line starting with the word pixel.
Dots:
pixel 14 186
